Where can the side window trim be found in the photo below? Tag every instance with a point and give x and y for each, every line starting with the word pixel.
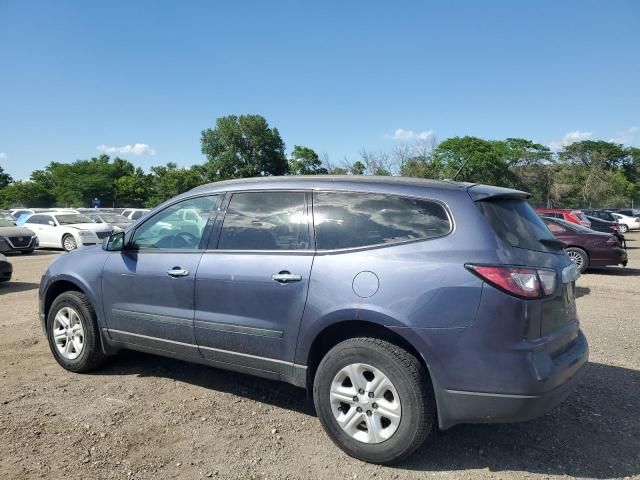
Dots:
pixel 205 234
pixel 214 243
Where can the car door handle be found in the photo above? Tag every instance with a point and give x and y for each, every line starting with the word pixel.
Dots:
pixel 178 272
pixel 286 277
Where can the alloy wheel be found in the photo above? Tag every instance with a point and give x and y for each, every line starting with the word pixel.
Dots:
pixel 68 333
pixel 365 403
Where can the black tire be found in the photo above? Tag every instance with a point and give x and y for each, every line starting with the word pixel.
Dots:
pixel 579 257
pixel 623 228
pixel 410 380
pixel 27 252
pixel 91 355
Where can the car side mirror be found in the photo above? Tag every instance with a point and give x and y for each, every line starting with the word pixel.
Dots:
pixel 114 243
pixel 52 223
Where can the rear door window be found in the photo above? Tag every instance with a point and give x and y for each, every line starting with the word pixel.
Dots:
pixel 354 219
pixel 515 222
pixel 266 221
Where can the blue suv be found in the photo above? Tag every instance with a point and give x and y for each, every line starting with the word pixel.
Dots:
pixel 400 303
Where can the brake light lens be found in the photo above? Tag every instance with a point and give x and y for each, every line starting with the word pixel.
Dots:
pixel 517 281
pixel 613 242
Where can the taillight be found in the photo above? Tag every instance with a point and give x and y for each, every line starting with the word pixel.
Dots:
pixel 613 242
pixel 518 281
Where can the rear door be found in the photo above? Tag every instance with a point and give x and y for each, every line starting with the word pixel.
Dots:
pixel 252 283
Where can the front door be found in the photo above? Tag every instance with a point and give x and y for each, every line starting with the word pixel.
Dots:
pixel 148 288
pixel 251 290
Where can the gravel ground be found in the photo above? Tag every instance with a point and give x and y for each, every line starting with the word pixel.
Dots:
pixel 144 416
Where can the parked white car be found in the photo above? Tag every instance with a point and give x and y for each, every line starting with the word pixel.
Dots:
pixel 135 214
pixel 626 222
pixel 67 230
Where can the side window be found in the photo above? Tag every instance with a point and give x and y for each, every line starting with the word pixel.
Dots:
pixel 555 228
pixel 168 230
pixel 265 221
pixel 37 219
pixel 349 219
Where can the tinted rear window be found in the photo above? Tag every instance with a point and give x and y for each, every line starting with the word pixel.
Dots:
pixel 351 219
pixel 515 222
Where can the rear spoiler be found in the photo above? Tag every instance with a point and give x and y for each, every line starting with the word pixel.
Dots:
pixel 485 192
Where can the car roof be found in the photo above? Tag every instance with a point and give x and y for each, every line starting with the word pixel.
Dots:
pixel 310 181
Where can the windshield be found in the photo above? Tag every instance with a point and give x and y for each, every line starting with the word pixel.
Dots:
pixel 515 222
pixel 113 218
pixel 6 220
pixel 71 218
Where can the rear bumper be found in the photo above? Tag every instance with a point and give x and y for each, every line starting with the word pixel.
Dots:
pixel 455 406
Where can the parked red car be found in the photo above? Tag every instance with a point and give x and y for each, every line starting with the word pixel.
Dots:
pixel 586 247
pixel 573 216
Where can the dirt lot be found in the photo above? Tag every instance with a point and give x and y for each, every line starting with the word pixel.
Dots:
pixel 143 416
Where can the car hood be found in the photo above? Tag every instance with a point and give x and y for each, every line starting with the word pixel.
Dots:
pixel 15 232
pixel 94 227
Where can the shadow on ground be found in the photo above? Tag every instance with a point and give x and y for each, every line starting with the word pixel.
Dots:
pixel 582 291
pixel 12 287
pixel 594 433
pixel 615 271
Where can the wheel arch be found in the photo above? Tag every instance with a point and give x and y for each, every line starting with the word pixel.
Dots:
pixel 339 331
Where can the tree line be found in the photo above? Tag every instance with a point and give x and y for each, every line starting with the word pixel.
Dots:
pixel 583 174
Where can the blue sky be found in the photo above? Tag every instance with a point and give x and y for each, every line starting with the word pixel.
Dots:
pixel 335 76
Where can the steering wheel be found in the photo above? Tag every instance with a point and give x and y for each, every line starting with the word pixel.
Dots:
pixel 187 240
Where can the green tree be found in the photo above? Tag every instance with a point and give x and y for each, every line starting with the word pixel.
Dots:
pixel 5 178
pixel 25 194
pixel 243 146
pixel 474 159
pixel 358 168
pixel 305 161
pixel 168 180
pixel 421 166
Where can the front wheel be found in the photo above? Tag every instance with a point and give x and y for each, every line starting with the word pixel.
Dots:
pixel 73 333
pixel 579 257
pixel 623 228
pixel 69 243
pixel 374 400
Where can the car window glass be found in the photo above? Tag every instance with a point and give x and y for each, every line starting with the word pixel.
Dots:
pixel 265 221
pixel 37 219
pixel 168 230
pixel 137 215
pixel 6 220
pixel 555 228
pixel 354 219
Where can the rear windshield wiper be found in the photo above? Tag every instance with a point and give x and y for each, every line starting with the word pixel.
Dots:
pixel 553 242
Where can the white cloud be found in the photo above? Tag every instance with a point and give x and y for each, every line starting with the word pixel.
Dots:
pixel 627 136
pixel 569 138
pixel 3 156
pixel 410 135
pixel 132 149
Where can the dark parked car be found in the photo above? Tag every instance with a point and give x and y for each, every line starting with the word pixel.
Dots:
pixel 586 247
pixel 342 285
pixel 13 238
pixel 605 226
pixel 601 214
pixel 5 269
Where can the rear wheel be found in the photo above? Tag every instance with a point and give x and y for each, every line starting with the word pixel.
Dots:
pixel 623 228
pixel 73 333
pixel 374 400
pixel 69 243
pixel 579 257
